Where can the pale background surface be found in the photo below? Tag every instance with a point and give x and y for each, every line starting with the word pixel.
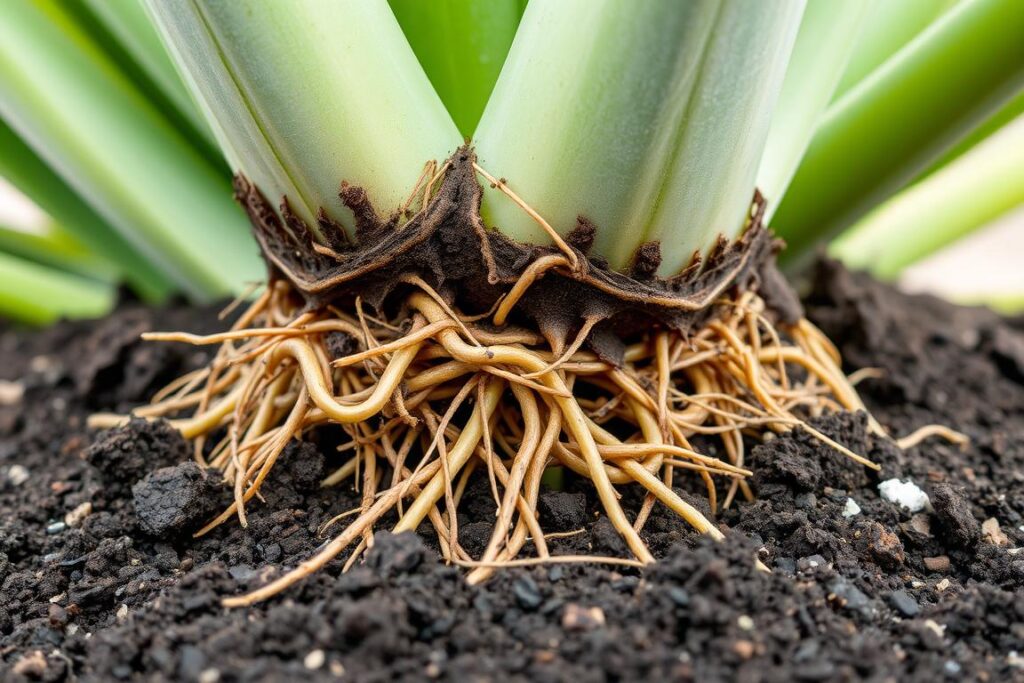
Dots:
pixel 988 262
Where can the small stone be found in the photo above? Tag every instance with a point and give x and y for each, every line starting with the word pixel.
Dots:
pixel 991 533
pixel 745 622
pixel 174 500
pixel 939 563
pixel 679 596
pixel 17 475
pixel 78 515
pixel 942 585
pixel 921 524
pixel 241 572
pixel 42 363
pixel 57 615
pixel 744 649
pixel 848 595
pixel 904 604
pixel 527 593
pixel 785 564
pixel 885 546
pixel 209 676
pixel 54 528
pixel 122 612
pixel 851 509
pixel 955 517
pixel 11 393
pixel 906 494
pixel 577 618
pixel 806 501
pixel 935 627
pixel 951 668
pixel 337 669
pixel 314 660
pixel 31 665
pixel 811 562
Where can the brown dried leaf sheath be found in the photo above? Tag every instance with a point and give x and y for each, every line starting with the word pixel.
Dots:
pixel 448 247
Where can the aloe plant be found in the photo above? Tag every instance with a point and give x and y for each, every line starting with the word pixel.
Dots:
pixel 655 122
pixel 511 334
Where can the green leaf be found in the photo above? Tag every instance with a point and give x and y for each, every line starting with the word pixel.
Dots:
pixel 645 118
pixel 35 294
pixel 982 185
pixel 894 125
pixel 993 123
pixel 828 31
pixel 73 106
pixel 461 45
pixel 49 245
pixel 25 170
pixel 305 94
pixel 127 22
pixel 710 182
pixel 889 26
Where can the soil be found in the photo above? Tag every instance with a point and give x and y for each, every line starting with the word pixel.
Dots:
pixel 100 579
pixel 446 245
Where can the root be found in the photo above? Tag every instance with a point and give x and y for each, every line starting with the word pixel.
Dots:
pixel 511 408
pixel 434 393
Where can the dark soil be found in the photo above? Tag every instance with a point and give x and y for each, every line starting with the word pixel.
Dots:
pixel 100 580
pixel 447 246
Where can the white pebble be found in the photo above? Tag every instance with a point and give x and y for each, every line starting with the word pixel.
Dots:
pixel 17 475
pixel 904 493
pixel 851 509
pixel 75 517
pixel 314 660
pixel 10 393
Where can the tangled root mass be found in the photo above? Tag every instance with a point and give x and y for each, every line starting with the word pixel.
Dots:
pixel 442 349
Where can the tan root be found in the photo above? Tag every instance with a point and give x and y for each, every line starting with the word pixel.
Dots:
pixel 431 396
pixel 434 395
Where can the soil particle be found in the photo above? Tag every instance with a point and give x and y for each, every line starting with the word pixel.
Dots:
pixel 904 604
pixel 174 500
pixel 938 564
pixel 992 533
pixel 125 455
pixel 954 516
pixel 105 600
pixel 884 546
pixel 562 510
